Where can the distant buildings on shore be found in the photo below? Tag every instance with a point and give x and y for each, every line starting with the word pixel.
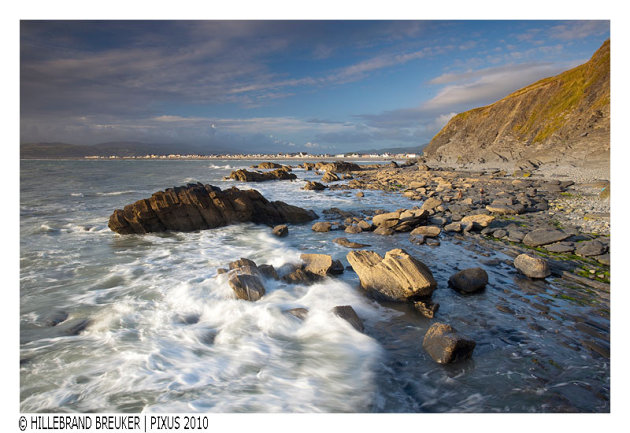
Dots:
pixel 299 155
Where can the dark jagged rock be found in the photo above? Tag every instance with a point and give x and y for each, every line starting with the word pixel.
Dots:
pixel 300 276
pixel 469 280
pixel 53 318
pixel 347 313
pixel 270 165
pixel 254 176
pixel 268 271
pixel 245 280
pixel 426 307
pixel 299 313
pixel 199 207
pixel 445 346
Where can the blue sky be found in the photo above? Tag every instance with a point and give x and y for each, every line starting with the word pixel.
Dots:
pixel 267 86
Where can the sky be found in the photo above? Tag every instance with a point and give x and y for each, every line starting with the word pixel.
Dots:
pixel 269 86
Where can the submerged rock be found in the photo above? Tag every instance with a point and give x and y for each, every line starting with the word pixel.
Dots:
pixel 280 230
pixel 299 313
pixel 445 346
pixel 533 267
pixel 199 207
pixel 469 280
pixel 347 313
pixel 344 242
pixel 395 277
pixel 426 307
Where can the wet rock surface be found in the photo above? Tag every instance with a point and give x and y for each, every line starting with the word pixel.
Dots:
pixel 199 207
pixel 445 345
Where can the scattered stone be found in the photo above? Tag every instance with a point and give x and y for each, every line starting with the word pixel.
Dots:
pixel 431 203
pixel 500 233
pixel 280 230
pixel 268 271
pixel 344 242
pixel 242 262
pixel 314 186
pixel 533 267
pixel 453 227
pixel 540 237
pixel 268 165
pixel 427 308
pixel 469 280
pixel 590 248
pixel 347 313
pixel 504 209
pixel 246 283
pixel 198 207
pixel 221 271
pixel 322 226
pixel 321 264
pixel 445 346
pixel 300 276
pixel 417 239
pixel 364 225
pixel 604 259
pixel 360 194
pixel 432 242
pixel 300 313
pixel 384 231
pixel 329 176
pixel 353 229
pixel 396 277
pixel 479 221
pixel 515 235
pixel 505 309
pixel 560 247
pixel 427 231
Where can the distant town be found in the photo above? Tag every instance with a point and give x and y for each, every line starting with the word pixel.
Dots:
pixel 298 155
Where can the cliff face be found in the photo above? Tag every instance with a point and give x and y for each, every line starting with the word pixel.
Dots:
pixel 561 119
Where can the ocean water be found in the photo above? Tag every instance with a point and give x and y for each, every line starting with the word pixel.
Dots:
pixel 162 332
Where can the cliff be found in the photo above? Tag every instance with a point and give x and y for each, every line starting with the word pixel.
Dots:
pixel 561 119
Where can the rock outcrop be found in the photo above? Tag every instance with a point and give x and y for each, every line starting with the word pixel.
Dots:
pixel 554 119
pixel 255 176
pixel 395 277
pixel 337 167
pixel 198 207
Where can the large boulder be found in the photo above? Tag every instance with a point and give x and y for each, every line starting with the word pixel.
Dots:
pixel 197 207
pixel 533 267
pixel 395 277
pixel 446 346
pixel 539 237
pixel 469 280
pixel 255 176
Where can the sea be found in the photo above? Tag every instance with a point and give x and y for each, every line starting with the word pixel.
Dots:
pixel 145 323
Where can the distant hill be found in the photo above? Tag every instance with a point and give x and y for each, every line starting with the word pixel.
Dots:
pixel 560 119
pixel 117 148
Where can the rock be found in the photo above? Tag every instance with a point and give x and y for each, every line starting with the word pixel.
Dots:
pixel 604 259
pixel 540 237
pixel 504 209
pixel 314 186
pixel 469 280
pixel 300 276
pixel 73 326
pixel 427 308
pixel 605 192
pixel 500 233
pixel 384 231
pixel 255 176
pixel 198 207
pixel 416 239
pixel 280 230
pixel 364 225
pixel 322 226
pixel 560 247
pixel 246 283
pixel 329 176
pixel 353 229
pixel 453 227
pixel 221 271
pixel 445 346
pixel 300 313
pixel 321 264
pixel 268 271
pixel 515 235
pixel 590 248
pixel 360 194
pixel 431 203
pixel 433 242
pixel 53 318
pixel 387 220
pixel 240 263
pixel 426 231
pixel 347 313
pixel 438 221
pixel 337 167
pixel 344 242
pixel 533 267
pixel 396 277
pixel 308 166
pixel 268 165
pixel 479 221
